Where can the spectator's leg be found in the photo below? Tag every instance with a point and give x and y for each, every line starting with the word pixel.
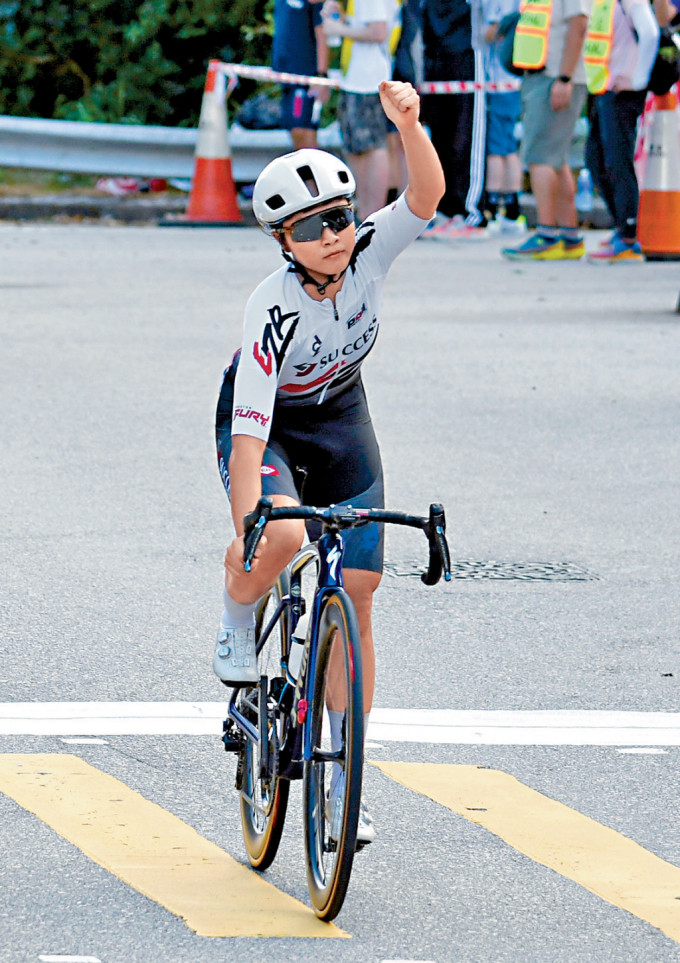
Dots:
pixel 302 137
pixel 565 209
pixel 594 157
pixel 544 185
pixel 619 116
pixel 371 170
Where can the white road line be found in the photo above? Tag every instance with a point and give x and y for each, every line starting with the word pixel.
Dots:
pixel 83 741
pixel 68 959
pixel 456 727
pixel 642 751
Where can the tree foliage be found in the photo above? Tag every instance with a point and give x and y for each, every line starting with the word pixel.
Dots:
pixel 123 60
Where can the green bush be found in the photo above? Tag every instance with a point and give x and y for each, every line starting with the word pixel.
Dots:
pixel 123 61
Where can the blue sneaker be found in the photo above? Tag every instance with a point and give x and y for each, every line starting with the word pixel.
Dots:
pixel 537 247
pixel 616 251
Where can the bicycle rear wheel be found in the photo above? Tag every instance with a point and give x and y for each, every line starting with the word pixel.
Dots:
pixel 264 795
pixel 331 831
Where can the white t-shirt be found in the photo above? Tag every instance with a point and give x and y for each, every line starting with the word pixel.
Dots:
pixel 562 12
pixel 633 40
pixel 370 63
pixel 493 11
pixel 298 351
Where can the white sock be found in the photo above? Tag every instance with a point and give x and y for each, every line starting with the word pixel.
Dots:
pixel 235 614
pixel 335 718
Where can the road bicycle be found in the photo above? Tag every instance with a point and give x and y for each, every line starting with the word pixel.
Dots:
pixel 276 726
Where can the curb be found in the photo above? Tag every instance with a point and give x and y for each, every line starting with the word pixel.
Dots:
pixel 148 210
pixel 127 210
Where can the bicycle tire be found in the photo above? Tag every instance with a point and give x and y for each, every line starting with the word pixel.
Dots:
pixel 264 795
pixel 329 862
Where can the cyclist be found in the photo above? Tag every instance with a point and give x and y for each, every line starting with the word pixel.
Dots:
pixel 292 417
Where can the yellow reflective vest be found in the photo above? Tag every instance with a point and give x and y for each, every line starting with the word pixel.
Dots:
pixel 597 50
pixel 530 50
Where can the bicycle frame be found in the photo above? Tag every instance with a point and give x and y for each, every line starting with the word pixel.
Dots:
pixel 328 552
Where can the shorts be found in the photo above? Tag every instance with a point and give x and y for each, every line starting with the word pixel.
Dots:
pixel 502 113
pixel 548 133
pixel 296 108
pixel 320 455
pixel 363 123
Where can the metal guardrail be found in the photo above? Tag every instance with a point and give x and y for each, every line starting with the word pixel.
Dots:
pixel 131 150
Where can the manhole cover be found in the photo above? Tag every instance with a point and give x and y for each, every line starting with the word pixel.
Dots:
pixel 522 571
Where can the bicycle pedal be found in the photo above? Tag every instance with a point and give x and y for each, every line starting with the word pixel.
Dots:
pixel 231 737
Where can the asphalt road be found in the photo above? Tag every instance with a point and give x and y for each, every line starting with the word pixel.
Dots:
pixel 538 402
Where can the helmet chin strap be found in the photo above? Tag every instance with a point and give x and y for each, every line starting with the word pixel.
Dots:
pixel 307 277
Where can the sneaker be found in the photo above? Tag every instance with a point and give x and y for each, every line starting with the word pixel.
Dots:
pixel 235 661
pixel 617 250
pixel 537 247
pixel 573 250
pixel 438 221
pixel 609 240
pixel 495 226
pixel 440 227
pixel 365 829
pixel 467 232
pixel 516 227
pixel 503 225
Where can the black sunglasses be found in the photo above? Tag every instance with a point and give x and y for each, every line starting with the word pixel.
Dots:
pixel 312 227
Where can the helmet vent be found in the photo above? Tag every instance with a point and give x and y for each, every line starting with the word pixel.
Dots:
pixel 343 177
pixel 307 176
pixel 275 202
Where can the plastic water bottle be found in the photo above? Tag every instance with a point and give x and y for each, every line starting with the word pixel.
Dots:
pixel 298 645
pixel 298 102
pixel 584 191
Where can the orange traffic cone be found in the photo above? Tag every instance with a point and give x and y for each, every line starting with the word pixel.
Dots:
pixel 659 211
pixel 212 200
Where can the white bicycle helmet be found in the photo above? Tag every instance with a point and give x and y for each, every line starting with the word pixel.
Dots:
pixel 297 181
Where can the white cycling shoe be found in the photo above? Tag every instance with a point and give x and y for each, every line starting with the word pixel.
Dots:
pixel 365 829
pixel 235 660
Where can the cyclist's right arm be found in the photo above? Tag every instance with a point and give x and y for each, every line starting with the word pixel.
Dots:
pixel 245 476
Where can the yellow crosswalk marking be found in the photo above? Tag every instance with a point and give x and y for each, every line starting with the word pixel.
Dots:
pixel 154 851
pixel 595 856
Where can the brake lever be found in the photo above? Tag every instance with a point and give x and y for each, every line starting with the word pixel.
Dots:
pixel 253 525
pixel 439 550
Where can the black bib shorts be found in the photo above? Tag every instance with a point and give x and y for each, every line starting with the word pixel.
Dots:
pixel 325 454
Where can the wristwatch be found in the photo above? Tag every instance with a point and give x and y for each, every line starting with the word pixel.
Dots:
pixel 563 79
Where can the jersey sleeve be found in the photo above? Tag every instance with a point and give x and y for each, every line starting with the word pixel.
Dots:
pixel 384 235
pixel 268 332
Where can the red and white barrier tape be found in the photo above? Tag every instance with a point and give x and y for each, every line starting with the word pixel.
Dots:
pixel 266 73
pixel 467 86
pixel 428 87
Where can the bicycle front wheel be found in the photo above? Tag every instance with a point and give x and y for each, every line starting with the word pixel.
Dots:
pixel 264 795
pixel 331 820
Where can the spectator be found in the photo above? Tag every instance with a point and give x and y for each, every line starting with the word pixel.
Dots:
pixel 452 50
pixel 300 47
pixel 366 29
pixel 503 109
pixel 553 95
pixel 619 81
